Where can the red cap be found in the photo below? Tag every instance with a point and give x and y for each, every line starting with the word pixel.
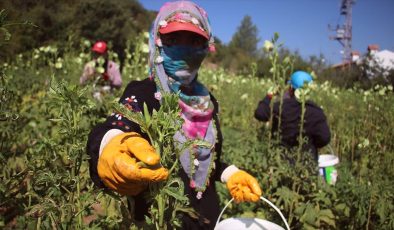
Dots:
pixel 100 47
pixel 178 26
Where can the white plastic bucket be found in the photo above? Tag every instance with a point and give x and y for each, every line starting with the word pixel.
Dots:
pixel 239 223
pixel 327 168
pixel 246 223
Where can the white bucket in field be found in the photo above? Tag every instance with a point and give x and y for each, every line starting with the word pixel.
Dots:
pixel 247 223
pixel 239 223
pixel 327 168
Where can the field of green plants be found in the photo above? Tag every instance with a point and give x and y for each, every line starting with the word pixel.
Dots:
pixel 46 116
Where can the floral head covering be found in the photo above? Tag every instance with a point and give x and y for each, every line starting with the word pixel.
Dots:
pixel 175 12
pixel 196 109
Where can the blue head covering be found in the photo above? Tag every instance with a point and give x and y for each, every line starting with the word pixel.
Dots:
pixel 298 79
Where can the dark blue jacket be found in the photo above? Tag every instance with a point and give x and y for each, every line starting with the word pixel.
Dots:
pixel 143 91
pixel 315 123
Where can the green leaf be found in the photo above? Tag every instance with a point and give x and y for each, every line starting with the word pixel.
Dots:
pixel 327 220
pixel 147 115
pixel 300 209
pixel 276 37
pixel 309 216
pixel 326 212
pixel 7 35
pixel 340 206
pixel 148 220
pixel 173 192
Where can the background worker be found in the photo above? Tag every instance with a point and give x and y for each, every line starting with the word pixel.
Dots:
pixel 315 123
pixel 103 73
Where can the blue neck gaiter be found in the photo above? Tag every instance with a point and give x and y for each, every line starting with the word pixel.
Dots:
pixel 181 63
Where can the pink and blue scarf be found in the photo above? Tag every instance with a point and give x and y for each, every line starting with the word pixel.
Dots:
pixel 176 66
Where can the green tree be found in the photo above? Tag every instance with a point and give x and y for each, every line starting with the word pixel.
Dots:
pixel 113 21
pixel 246 38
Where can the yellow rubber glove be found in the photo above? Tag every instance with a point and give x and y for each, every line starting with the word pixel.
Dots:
pixel 243 187
pixel 118 168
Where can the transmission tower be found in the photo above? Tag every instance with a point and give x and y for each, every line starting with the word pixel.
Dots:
pixel 344 32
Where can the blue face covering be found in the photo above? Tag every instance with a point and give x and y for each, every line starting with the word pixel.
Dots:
pixel 182 62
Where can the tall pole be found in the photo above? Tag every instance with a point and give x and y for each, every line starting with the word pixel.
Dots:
pixel 344 32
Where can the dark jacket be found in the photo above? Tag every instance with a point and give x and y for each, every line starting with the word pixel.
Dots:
pixel 143 91
pixel 315 123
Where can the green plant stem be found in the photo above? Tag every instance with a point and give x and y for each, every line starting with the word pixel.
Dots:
pixel 38 225
pixel 369 212
pixel 274 59
pixel 270 125
pixel 54 224
pixel 291 216
pixel 300 135
pixel 173 166
pixel 280 116
pixel 353 145
pixel 160 206
pixel 29 192
pixel 79 208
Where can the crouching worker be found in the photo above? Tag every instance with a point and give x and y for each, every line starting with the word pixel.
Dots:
pixel 180 40
pixel 315 123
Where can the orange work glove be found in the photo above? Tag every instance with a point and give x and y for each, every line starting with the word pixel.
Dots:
pixel 118 168
pixel 242 186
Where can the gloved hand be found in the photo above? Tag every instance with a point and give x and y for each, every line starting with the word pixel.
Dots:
pixel 242 186
pixel 118 165
pixel 273 91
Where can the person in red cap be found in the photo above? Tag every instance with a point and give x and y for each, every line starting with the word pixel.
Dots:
pixel 179 41
pixel 102 72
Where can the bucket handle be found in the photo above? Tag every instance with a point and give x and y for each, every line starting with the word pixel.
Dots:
pixel 263 199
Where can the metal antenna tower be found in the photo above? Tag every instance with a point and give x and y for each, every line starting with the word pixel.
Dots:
pixel 344 32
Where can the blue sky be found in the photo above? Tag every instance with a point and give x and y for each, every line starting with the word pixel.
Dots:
pixel 302 24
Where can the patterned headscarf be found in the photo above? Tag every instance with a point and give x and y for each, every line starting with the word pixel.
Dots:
pixel 196 109
pixel 184 11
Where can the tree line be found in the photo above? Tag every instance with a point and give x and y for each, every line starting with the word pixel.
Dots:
pixel 117 21
pixel 60 21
